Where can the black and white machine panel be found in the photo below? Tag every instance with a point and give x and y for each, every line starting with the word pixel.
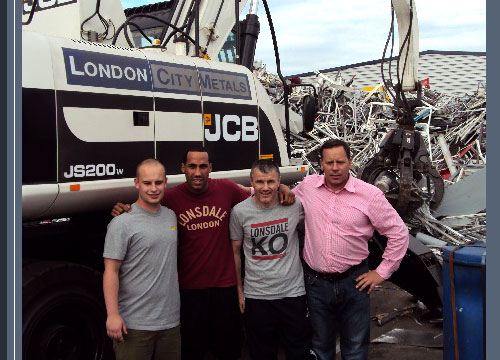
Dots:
pixel 102 109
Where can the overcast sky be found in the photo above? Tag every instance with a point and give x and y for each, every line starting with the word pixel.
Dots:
pixel 321 34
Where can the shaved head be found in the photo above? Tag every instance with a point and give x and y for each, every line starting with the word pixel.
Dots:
pixel 148 162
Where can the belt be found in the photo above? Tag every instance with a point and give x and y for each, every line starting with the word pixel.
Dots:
pixel 332 277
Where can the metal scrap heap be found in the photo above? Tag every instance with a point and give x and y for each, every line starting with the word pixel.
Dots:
pixel 453 127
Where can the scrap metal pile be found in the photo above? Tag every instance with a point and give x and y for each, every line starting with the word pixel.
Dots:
pixel 453 127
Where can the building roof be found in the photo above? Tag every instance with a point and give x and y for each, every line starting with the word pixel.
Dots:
pixel 148 9
pixel 160 10
pixel 448 71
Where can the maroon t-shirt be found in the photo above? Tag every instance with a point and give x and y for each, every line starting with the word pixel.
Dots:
pixel 205 257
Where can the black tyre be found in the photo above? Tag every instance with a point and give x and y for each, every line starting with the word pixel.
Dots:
pixel 309 112
pixel 64 316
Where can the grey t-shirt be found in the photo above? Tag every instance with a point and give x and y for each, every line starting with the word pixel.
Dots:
pixel 271 247
pixel 148 297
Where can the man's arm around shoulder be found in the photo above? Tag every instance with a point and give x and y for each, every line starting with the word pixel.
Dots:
pixel 304 185
pixel 119 208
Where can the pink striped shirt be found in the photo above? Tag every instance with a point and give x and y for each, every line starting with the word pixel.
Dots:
pixel 339 224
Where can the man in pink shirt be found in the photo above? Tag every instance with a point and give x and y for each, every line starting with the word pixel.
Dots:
pixel 341 214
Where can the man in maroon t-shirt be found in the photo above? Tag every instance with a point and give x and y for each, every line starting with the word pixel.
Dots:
pixel 209 302
pixel 210 317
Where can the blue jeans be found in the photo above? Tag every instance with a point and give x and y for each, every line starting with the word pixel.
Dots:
pixel 338 307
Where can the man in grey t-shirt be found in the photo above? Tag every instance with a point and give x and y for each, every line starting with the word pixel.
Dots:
pixel 273 296
pixel 140 282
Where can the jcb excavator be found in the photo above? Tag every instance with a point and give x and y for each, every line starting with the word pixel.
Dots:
pixel 95 105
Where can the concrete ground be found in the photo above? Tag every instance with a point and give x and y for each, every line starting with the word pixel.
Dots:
pixel 385 299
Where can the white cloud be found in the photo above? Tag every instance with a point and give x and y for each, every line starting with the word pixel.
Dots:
pixel 320 34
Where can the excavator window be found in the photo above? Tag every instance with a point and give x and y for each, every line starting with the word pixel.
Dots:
pixel 228 51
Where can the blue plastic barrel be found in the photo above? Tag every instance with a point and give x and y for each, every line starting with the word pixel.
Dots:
pixel 469 265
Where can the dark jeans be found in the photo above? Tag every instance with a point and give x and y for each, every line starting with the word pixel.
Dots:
pixel 338 307
pixel 149 345
pixel 211 320
pixel 266 321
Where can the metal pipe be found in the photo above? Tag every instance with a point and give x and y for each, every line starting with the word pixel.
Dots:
pixel 479 152
pixel 249 38
pixel 197 28
pixel 169 20
pixel 212 30
pixel 446 154
pixel 237 25
pixel 286 89
pixel 254 5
